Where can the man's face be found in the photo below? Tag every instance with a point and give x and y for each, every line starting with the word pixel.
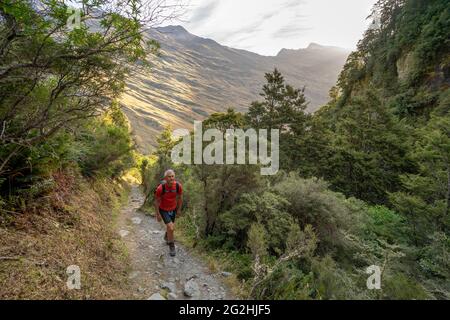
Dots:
pixel 170 178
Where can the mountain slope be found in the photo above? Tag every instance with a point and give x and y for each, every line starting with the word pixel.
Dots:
pixel 195 77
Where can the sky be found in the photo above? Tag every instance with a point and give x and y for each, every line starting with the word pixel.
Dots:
pixel 267 26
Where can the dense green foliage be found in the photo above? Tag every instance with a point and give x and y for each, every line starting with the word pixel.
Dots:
pixel 58 91
pixel 388 129
pixel 365 180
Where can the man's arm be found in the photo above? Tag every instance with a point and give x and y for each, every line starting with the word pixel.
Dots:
pixel 157 203
pixel 179 204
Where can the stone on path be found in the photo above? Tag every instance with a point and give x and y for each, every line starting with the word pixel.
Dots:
pixel 156 296
pixel 136 220
pixel 172 296
pixel 169 286
pixel 141 290
pixel 191 289
pixel 124 233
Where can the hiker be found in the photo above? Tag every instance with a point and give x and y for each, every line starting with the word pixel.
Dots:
pixel 168 203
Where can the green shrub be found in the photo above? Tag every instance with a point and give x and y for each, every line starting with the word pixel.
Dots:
pixel 401 287
pixel 386 224
pixel 311 202
pixel 434 259
pixel 286 283
pixel 268 210
pixel 105 147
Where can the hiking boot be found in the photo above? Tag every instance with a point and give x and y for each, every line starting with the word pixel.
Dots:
pixel 172 249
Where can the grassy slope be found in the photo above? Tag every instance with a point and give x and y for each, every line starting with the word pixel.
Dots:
pixel 74 225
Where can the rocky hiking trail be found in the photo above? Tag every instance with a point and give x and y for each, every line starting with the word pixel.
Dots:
pixel 157 276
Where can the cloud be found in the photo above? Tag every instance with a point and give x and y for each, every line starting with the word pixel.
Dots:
pixel 294 28
pixel 240 34
pixel 292 4
pixel 269 15
pixel 290 31
pixel 266 26
pixel 203 12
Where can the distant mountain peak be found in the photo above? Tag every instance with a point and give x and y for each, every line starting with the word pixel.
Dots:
pixel 311 47
pixel 314 46
pixel 172 29
pixel 180 34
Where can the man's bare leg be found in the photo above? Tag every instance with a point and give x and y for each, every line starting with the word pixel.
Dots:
pixel 170 232
pixel 170 229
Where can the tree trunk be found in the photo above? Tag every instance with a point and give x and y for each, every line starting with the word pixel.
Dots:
pixel 209 222
pixel 448 191
pixel 5 162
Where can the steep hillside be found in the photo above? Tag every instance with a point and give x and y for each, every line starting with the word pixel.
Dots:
pixel 195 77
pixel 73 225
pixel 385 136
pixel 406 59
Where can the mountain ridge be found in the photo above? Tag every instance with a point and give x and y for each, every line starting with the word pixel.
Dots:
pixel 178 29
pixel 195 77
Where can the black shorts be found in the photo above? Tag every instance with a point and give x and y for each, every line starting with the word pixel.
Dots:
pixel 168 216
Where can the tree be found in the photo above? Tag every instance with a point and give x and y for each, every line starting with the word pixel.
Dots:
pixel 425 199
pixel 104 146
pixel 52 77
pixel 311 148
pixel 223 185
pixel 370 151
pixel 283 109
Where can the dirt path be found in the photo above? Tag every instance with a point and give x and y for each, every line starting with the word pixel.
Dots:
pixel 155 275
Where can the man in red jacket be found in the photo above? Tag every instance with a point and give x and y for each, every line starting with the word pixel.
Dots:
pixel 168 204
